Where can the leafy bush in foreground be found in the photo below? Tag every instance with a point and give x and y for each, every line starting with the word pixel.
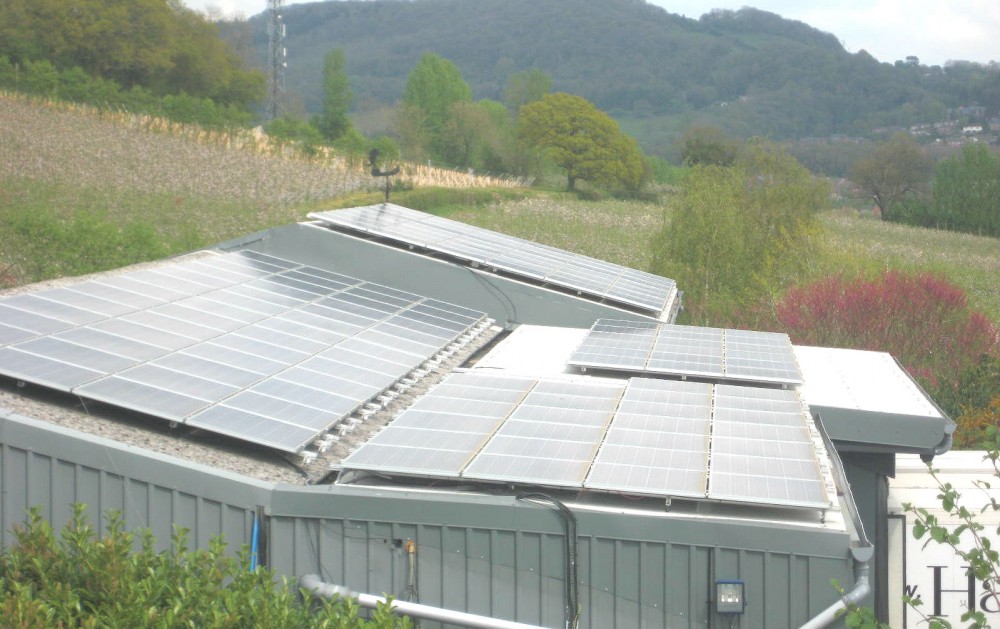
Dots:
pixel 80 580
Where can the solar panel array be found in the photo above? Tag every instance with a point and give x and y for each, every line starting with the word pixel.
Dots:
pixel 689 351
pixel 646 437
pixel 243 344
pixel 512 255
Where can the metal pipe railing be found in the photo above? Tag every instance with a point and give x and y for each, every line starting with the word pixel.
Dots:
pixel 313 583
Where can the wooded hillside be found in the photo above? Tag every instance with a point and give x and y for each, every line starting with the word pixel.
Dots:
pixel 749 72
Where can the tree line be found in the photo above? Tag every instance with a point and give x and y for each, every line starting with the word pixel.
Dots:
pixel 533 132
pixel 158 45
pixel 960 193
pixel 748 72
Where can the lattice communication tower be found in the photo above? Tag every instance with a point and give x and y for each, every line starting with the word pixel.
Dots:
pixel 278 57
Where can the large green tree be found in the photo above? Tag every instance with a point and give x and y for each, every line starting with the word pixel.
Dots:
pixel 740 233
pixel 582 140
pixel 433 87
pixel 894 173
pixel 334 122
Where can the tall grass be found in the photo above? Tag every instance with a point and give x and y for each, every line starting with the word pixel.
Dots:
pixel 83 189
pixel 866 246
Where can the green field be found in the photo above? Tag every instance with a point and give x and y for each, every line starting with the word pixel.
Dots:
pixel 121 194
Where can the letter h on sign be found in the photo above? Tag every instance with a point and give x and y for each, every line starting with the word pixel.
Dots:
pixel 970 591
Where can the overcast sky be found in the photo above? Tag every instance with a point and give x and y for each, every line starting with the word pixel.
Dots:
pixel 933 30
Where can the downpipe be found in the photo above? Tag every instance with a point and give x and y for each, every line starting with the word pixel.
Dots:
pixel 315 584
pixel 861 589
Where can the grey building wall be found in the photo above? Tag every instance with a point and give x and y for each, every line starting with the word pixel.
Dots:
pixel 500 557
pixel 492 555
pixel 46 466
pixel 506 301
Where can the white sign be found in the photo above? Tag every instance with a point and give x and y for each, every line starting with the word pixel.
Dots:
pixel 930 570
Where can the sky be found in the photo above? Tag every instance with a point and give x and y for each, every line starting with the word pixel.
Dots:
pixel 935 31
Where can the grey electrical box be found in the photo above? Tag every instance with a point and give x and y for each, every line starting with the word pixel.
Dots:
pixel 729 597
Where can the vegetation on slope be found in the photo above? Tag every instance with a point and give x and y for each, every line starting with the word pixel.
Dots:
pixel 157 44
pixel 83 190
pixel 749 72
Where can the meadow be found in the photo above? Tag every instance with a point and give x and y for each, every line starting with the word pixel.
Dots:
pixel 75 180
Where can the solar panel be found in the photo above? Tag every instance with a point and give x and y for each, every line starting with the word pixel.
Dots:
pixel 519 257
pixel 243 344
pixel 552 436
pixel 643 437
pixel 658 442
pixel 762 450
pixel 441 431
pixel 615 344
pixel 688 351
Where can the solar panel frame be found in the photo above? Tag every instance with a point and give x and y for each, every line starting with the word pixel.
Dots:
pixel 688 351
pixel 760 439
pixel 658 442
pixel 615 344
pixel 646 437
pixel 551 437
pixel 461 428
pixel 519 257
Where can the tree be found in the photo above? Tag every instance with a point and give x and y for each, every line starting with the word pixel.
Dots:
pixel 739 233
pixel 893 173
pixel 707 145
pixel 333 122
pixel 525 87
pixel 583 140
pixel 967 191
pixel 433 86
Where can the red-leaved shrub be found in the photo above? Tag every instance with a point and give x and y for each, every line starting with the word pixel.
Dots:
pixel 922 320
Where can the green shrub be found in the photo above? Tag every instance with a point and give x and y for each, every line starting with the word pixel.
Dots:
pixel 79 579
pixel 739 233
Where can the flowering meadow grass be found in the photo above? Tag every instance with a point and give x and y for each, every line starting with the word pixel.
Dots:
pixel 867 246
pixel 120 188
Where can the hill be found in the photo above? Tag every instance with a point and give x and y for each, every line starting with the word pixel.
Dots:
pixel 749 71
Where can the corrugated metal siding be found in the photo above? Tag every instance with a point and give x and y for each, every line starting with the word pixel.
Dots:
pixel 51 468
pixel 478 562
pixel 490 555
